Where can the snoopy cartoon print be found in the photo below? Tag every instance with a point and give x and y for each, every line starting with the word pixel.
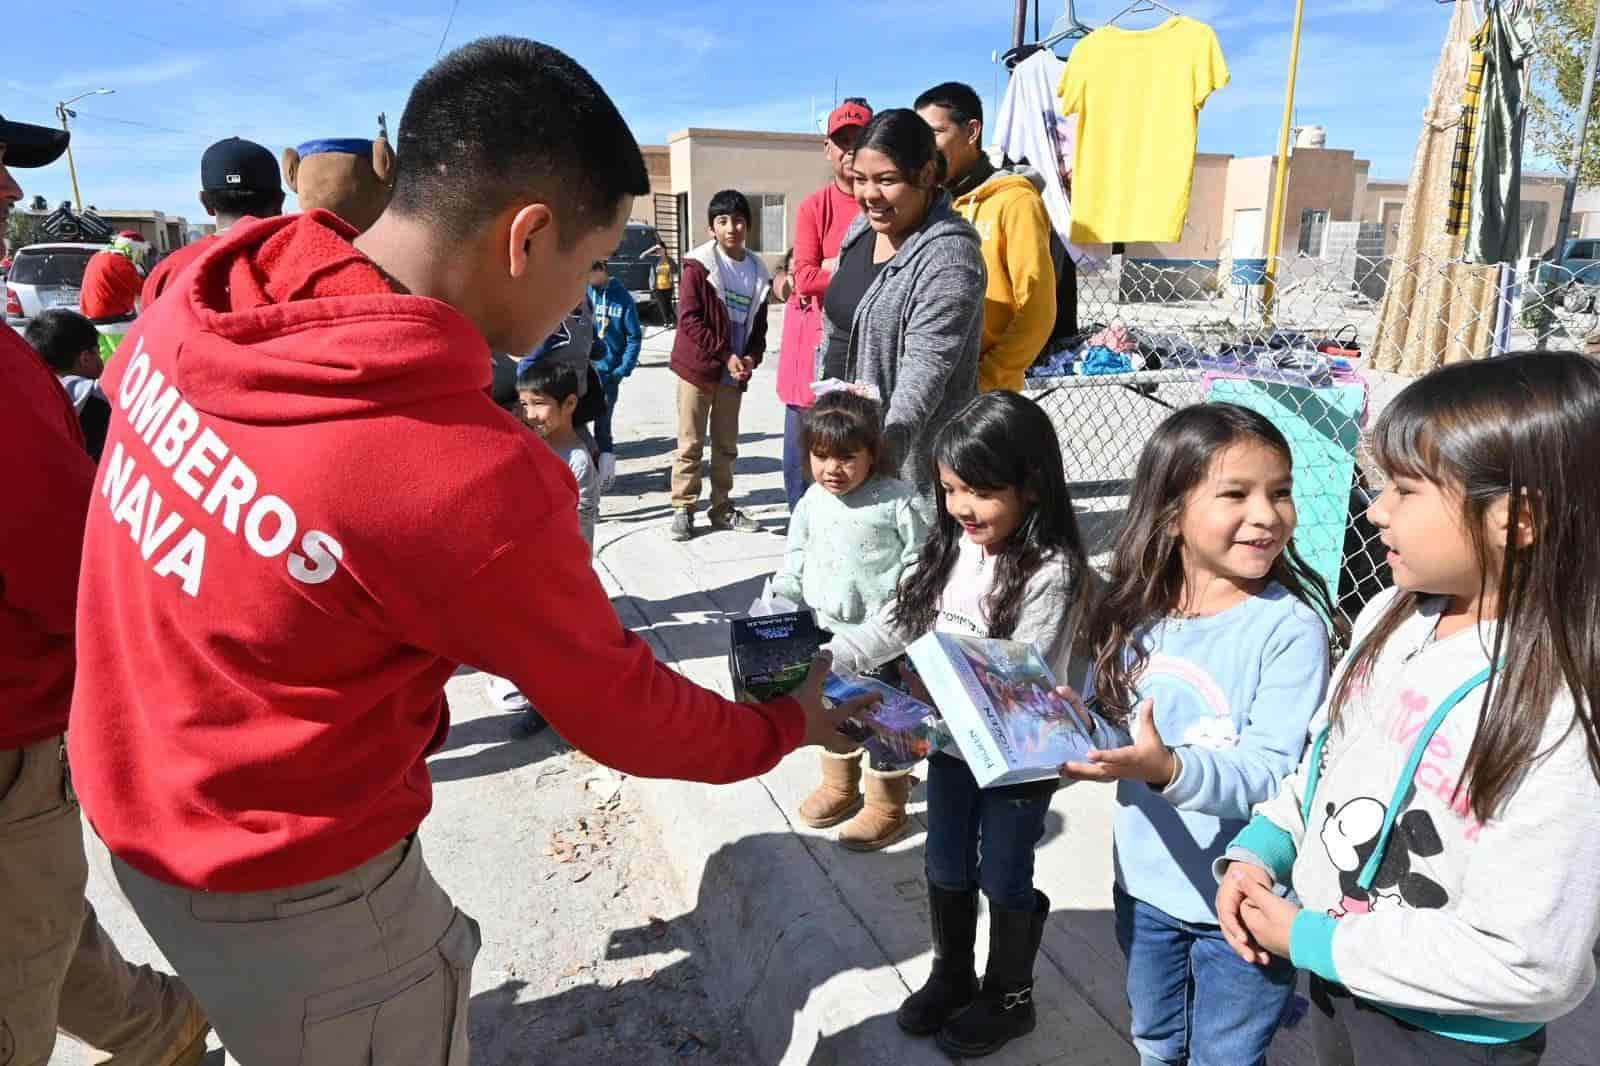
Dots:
pixel 1349 836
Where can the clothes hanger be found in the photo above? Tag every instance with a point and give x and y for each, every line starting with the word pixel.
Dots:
pixel 1065 28
pixel 1139 6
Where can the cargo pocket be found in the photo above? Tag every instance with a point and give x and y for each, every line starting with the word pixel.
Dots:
pixel 415 1014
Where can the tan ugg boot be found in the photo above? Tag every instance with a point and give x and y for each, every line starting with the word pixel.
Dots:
pixel 839 794
pixel 883 819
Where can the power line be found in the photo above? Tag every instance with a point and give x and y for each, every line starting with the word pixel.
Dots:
pixel 254 87
pixel 133 122
pixel 398 25
pixel 262 34
pixel 80 114
pixel 447 24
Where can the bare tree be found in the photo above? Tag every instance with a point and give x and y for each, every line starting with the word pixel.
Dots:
pixel 1562 50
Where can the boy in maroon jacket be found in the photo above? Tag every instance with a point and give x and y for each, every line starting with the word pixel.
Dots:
pixel 722 335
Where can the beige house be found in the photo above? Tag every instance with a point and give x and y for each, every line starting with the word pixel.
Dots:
pixel 1229 202
pixel 1231 197
pixel 774 170
pixel 1586 214
pixel 164 232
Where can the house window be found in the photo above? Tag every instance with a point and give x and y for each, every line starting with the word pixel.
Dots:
pixel 769 226
pixel 1313 223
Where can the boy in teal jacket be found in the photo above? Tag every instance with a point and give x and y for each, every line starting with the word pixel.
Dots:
pixel 615 354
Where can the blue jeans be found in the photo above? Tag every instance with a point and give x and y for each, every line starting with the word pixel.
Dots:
pixel 602 424
pixel 1194 1001
pixel 794 455
pixel 983 838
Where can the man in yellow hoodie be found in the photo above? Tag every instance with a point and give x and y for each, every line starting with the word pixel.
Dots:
pixel 1020 307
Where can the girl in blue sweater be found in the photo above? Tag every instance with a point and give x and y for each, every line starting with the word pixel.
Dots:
pixel 1209 644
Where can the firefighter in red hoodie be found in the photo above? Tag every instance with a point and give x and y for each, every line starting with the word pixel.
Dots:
pixel 266 624
pixel 58 968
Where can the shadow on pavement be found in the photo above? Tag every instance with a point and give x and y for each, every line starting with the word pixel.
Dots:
pixel 768 951
pixel 510 754
pixel 645 447
pixel 701 635
pixel 630 485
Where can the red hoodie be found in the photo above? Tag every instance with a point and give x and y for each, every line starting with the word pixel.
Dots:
pixel 110 288
pixel 48 477
pixel 308 513
pixel 169 268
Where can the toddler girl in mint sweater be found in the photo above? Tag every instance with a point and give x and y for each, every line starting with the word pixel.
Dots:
pixel 850 537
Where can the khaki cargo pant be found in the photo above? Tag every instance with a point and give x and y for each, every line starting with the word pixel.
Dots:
pixel 720 408
pixel 57 966
pixel 371 967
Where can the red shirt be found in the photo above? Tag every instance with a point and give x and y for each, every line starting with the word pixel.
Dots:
pixel 302 526
pixel 820 226
pixel 168 269
pixel 111 286
pixel 48 477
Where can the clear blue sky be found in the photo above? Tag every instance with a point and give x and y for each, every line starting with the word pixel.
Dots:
pixel 188 72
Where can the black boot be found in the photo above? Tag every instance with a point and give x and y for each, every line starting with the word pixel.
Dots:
pixel 1003 1010
pixel 954 981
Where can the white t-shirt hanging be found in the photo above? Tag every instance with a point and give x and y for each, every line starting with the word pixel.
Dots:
pixel 1032 127
pixel 739 277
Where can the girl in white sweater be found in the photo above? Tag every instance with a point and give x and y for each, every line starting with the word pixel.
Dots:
pixel 1442 833
pixel 1004 560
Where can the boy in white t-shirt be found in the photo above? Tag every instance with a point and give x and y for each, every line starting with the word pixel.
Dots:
pixel 721 338
pixel 548 393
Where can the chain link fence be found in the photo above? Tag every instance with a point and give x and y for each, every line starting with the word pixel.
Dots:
pixel 1156 337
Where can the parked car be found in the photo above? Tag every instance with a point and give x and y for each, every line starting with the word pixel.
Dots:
pixel 44 276
pixel 1572 277
pixel 632 264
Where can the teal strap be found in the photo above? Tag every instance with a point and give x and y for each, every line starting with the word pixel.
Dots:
pixel 1369 872
pixel 1315 776
pixel 1467 1028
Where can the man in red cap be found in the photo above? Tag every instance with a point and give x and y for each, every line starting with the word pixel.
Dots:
pixel 58 968
pixel 819 230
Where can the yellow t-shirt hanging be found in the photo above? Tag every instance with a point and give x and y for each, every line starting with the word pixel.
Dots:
pixel 1137 95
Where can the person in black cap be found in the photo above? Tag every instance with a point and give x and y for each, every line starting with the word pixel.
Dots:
pixel 238 179
pixel 70 974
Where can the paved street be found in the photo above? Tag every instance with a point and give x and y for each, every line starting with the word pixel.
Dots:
pixel 660 922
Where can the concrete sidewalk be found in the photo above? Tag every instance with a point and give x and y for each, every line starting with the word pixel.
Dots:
pixel 817 945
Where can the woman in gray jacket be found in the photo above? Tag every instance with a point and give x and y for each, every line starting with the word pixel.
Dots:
pixel 904 310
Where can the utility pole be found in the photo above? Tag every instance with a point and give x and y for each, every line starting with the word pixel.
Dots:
pixel 1269 291
pixel 1564 220
pixel 64 112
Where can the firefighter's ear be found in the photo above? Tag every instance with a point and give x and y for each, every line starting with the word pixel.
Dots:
pixel 383 160
pixel 291 168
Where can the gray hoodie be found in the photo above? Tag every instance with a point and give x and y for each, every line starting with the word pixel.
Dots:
pixel 1477 931
pixel 915 335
